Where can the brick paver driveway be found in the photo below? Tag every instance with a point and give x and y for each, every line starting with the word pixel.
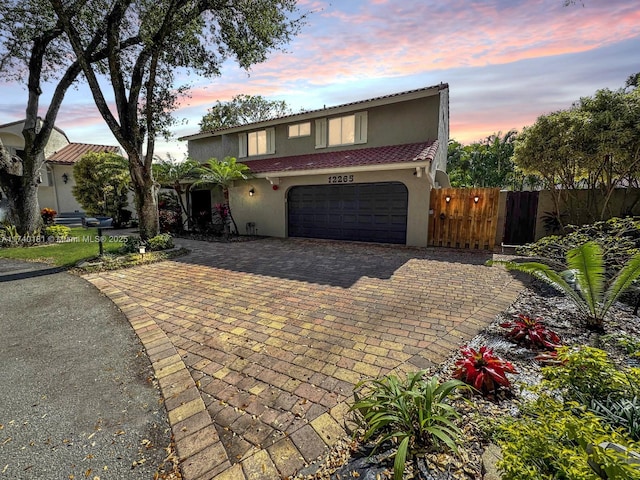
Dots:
pixel 257 345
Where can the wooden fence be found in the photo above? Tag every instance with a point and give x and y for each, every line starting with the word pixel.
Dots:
pixel 463 218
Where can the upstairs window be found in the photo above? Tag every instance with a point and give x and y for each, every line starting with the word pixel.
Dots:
pixel 300 130
pixel 257 143
pixel 345 130
pixel 342 130
pixel 261 142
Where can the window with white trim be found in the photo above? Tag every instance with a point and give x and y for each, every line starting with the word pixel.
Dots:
pixel 300 130
pixel 345 130
pixel 342 130
pixel 261 142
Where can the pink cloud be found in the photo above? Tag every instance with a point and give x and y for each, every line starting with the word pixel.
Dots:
pixel 387 39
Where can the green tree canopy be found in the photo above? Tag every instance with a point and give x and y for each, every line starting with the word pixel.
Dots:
pixel 102 184
pixel 35 52
pixel 242 109
pixel 595 144
pixel 487 163
pixel 173 38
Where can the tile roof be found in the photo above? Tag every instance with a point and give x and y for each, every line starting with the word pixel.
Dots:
pixel 412 152
pixel 70 154
pixel 324 110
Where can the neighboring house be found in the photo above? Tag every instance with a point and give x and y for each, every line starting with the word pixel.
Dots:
pixel 56 175
pixel 360 171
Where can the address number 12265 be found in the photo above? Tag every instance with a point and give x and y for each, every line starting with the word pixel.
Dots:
pixel 341 179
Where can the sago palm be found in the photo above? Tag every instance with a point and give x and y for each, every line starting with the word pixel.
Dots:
pixel 584 281
pixel 223 173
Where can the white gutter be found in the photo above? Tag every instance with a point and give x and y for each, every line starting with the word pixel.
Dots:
pixel 336 170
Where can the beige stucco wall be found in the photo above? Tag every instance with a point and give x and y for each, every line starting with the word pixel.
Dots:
pixel 268 207
pixel 64 198
pixel 56 142
pixel 12 137
pixel 394 124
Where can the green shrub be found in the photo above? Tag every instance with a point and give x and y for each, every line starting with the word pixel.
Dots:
pixel 132 245
pixel 9 235
pixel 164 241
pixel 556 441
pixel 583 374
pixel 623 413
pixel 618 237
pixel 629 343
pixel 414 414
pixel 59 232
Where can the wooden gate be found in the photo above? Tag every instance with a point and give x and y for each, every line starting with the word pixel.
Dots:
pixel 464 217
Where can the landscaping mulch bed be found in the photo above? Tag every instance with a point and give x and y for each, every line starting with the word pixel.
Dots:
pixel 353 460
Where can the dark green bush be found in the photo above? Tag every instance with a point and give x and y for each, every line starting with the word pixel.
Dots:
pixel 132 245
pixel 164 241
pixel 618 237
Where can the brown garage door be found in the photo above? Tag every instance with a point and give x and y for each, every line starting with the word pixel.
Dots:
pixel 366 212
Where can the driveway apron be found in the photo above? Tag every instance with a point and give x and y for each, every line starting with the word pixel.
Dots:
pixel 76 397
pixel 257 345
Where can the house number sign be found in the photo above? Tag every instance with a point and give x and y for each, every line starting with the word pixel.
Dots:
pixel 341 179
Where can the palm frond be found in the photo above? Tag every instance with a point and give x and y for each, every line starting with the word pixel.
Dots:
pixel 623 280
pixel 546 274
pixel 587 264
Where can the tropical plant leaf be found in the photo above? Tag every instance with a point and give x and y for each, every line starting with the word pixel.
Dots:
pixel 622 281
pixel 587 264
pixel 546 274
pixel 401 458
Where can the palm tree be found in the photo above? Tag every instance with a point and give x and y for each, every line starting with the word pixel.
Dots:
pixel 584 281
pixel 223 173
pixel 177 175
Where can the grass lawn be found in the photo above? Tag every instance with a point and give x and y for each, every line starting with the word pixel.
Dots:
pixel 83 245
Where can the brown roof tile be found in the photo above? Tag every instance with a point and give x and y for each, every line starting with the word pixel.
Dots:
pixel 413 152
pixel 70 154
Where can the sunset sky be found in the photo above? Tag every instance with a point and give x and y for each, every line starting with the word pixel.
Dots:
pixel 506 62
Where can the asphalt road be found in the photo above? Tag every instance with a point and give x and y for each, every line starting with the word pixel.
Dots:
pixel 76 392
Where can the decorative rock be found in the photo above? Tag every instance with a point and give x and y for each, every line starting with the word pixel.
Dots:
pixel 490 457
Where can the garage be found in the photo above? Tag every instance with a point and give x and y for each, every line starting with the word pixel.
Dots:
pixel 366 212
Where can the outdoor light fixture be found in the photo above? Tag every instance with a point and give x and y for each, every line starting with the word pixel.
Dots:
pixel 65 177
pixel 251 192
pixel 447 198
pixel 476 199
pixel 142 249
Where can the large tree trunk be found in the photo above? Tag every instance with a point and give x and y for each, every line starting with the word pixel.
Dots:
pixel 146 196
pixel 19 182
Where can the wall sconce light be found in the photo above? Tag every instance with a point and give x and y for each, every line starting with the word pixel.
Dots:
pixel 65 177
pixel 447 198
pixel 251 192
pixel 476 199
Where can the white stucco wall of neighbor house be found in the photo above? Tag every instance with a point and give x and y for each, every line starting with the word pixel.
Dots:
pixel 267 208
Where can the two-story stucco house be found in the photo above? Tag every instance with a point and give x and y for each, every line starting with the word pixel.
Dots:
pixel 56 176
pixel 359 171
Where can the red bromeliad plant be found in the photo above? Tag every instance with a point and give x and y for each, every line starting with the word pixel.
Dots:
pixel 532 331
pixel 483 370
